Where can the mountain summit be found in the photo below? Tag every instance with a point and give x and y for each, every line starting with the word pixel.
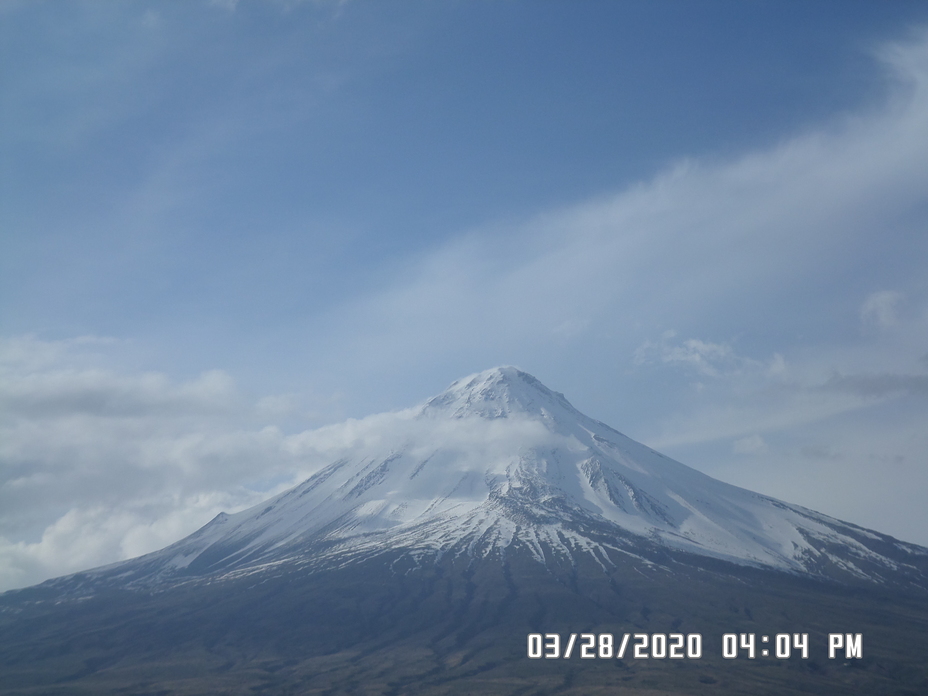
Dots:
pixel 499 464
pixel 497 393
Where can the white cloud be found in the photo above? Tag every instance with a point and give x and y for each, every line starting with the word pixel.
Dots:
pixel 97 466
pixel 95 392
pixel 85 537
pixel 704 357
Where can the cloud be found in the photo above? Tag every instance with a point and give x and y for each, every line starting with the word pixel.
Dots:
pixel 481 440
pixel 818 452
pixel 704 357
pixel 878 385
pixel 755 245
pixel 879 309
pixel 89 536
pixel 151 19
pixel 98 465
pixel 102 393
pixel 866 467
pixel 286 5
pixel 753 444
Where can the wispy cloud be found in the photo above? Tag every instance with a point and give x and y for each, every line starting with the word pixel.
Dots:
pixel 878 385
pixel 703 357
pixel 879 309
pixel 717 251
pixel 753 444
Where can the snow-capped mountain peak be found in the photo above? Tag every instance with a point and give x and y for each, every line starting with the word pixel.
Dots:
pixel 498 393
pixel 499 464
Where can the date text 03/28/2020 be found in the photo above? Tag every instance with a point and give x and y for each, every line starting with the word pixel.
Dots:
pixel 689 646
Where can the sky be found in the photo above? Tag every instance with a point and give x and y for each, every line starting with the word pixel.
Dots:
pixel 225 225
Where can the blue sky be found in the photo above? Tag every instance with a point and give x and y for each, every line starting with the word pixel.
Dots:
pixel 225 223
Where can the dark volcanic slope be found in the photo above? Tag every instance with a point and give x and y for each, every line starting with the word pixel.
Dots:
pixel 455 628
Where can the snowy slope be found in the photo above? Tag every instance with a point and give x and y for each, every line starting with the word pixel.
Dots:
pixel 498 462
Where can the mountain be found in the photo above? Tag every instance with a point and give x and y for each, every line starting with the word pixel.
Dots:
pixel 421 557
pixel 498 462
